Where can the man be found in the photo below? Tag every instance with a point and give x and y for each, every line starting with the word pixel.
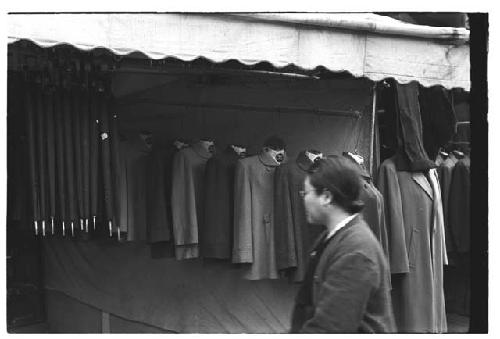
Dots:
pixel 347 284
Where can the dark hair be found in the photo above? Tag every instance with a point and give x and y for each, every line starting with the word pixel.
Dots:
pixel 341 178
pixel 274 142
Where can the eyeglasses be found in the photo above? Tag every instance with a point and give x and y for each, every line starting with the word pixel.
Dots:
pixel 303 193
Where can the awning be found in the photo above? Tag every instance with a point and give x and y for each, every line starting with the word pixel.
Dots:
pixel 365 45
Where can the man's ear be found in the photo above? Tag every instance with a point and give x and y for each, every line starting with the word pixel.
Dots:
pixel 326 198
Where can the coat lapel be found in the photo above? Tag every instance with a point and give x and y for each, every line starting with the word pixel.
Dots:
pixel 422 181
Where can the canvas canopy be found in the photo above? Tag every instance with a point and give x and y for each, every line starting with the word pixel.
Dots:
pixel 365 45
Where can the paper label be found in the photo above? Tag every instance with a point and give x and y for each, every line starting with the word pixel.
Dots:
pixel 239 150
pixel 313 156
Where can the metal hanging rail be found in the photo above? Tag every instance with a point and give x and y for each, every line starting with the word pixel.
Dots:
pixel 277 109
pixel 172 70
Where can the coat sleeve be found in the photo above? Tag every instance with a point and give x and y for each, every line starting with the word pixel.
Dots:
pixel 343 295
pixel 389 188
pixel 384 241
pixel 243 242
pixel 183 203
pixel 283 222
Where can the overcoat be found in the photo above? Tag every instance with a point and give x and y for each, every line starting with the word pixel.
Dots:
pixel 349 289
pixel 445 171
pixel 459 205
pixel 294 236
pixel 417 247
pixel 373 211
pixel 217 231
pixel 188 171
pixel 134 158
pixel 159 216
pixel 253 216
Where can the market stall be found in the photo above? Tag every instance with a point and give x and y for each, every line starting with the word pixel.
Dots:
pixel 131 89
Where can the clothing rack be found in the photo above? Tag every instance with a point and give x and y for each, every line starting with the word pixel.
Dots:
pixel 173 70
pixel 278 109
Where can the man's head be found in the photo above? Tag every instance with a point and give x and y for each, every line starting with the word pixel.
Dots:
pixel 333 184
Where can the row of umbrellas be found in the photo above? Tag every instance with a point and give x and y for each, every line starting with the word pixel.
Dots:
pixel 73 155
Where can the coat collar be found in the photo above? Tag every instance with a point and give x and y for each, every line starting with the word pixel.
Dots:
pixel 422 181
pixel 303 161
pixel 267 160
pixel 201 151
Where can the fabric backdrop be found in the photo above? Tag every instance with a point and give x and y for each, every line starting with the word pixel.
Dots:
pixel 188 297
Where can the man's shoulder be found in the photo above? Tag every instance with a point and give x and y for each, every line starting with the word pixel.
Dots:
pixel 358 237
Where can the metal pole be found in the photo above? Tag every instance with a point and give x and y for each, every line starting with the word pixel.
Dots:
pixel 372 127
pixel 239 107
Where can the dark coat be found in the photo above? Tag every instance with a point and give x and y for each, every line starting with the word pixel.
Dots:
pixel 159 216
pixel 445 171
pixel 134 157
pixel 253 217
pixel 410 134
pixel 417 251
pixel 188 171
pixel 350 287
pixel 373 211
pixel 217 231
pixel 459 205
pixel 293 236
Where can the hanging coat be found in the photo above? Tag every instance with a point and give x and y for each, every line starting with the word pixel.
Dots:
pixel 134 159
pixel 438 118
pixel 445 171
pixel 459 205
pixel 373 212
pixel 253 217
pixel 216 235
pixel 417 250
pixel 410 135
pixel 293 235
pixel 159 215
pixel 188 171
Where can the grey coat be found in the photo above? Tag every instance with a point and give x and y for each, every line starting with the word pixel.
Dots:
pixel 415 227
